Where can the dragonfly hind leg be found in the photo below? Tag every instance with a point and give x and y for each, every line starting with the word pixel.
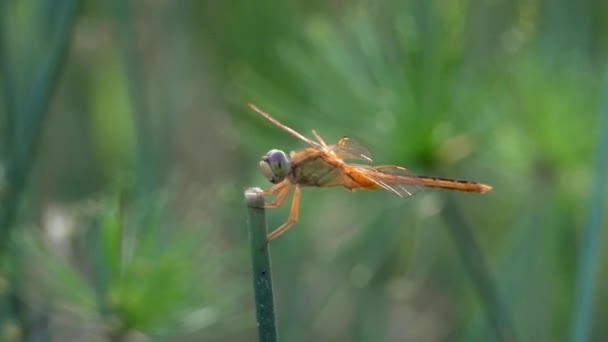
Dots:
pixel 293 216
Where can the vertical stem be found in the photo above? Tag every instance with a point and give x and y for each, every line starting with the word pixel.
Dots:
pixel 33 116
pixel 590 245
pixel 474 262
pixel 146 143
pixel 260 259
pixel 7 86
pixel 25 131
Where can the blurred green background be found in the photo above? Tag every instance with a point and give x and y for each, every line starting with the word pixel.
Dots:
pixel 126 144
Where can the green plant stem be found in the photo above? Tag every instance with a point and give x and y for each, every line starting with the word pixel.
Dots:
pixel 34 115
pixel 23 142
pixel 474 262
pixel 146 141
pixel 260 259
pixel 7 85
pixel 590 245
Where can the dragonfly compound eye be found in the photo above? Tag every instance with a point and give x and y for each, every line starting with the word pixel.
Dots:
pixel 275 165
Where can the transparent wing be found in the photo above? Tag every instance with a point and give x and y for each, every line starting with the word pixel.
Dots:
pixel 283 127
pixel 347 148
pixel 395 179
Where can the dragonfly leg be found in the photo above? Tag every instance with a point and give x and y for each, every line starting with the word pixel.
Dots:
pixel 280 190
pixel 292 219
pixel 321 141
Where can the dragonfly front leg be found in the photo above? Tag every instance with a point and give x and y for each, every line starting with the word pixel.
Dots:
pixel 293 216
pixel 280 190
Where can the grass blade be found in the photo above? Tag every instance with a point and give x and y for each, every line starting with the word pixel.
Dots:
pixel 474 262
pixel 35 112
pixel 23 139
pixel 589 249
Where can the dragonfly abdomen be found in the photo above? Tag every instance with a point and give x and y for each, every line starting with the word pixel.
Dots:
pixel 453 184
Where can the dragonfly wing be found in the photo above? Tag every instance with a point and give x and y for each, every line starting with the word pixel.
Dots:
pixel 347 148
pixel 283 127
pixel 395 179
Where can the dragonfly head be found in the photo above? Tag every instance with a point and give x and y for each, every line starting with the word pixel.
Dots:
pixel 275 165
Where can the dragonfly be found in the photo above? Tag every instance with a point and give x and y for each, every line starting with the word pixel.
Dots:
pixel 323 165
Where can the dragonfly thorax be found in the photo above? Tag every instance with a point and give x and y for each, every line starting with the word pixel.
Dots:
pixel 275 165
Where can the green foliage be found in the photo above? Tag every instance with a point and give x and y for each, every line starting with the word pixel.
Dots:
pixel 126 143
pixel 161 283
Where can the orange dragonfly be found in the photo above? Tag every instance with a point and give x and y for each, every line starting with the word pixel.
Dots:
pixel 323 165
